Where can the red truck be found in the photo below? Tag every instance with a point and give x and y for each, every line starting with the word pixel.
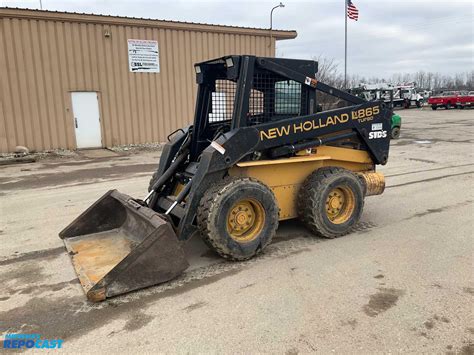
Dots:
pixel 466 99
pixel 446 99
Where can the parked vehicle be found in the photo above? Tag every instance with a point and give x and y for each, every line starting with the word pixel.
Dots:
pixel 404 96
pixel 465 99
pixel 374 92
pixel 425 93
pixel 446 99
pixel 396 123
pixel 407 96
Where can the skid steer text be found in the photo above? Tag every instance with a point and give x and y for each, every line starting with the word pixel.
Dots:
pixel 362 115
pixel 377 131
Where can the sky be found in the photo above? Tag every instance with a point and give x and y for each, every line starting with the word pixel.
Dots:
pixel 391 36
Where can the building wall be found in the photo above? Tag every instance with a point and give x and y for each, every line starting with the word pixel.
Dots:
pixel 43 60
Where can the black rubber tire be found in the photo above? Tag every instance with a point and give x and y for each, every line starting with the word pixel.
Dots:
pixel 434 107
pixel 212 217
pixel 395 133
pixel 418 104
pixel 312 201
pixel 154 178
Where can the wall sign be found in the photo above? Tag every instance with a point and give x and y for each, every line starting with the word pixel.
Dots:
pixel 143 56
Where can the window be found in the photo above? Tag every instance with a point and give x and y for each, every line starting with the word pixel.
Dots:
pixel 255 103
pixel 222 101
pixel 287 97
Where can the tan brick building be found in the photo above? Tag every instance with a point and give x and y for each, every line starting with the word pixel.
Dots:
pixel 76 81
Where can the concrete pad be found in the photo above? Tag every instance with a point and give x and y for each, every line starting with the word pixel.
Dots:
pixel 401 282
pixel 96 153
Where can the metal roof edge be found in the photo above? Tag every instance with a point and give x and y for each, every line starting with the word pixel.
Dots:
pixel 8 12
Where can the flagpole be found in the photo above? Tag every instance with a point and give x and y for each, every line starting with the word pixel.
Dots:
pixel 345 44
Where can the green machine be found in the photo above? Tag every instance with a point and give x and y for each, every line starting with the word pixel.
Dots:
pixel 396 123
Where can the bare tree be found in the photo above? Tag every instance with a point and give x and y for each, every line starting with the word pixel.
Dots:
pixel 436 81
pixel 429 81
pixel 420 79
pixel 470 80
pixel 459 80
pixel 328 71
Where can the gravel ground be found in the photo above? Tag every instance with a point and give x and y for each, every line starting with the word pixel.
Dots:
pixel 401 282
pixel 55 154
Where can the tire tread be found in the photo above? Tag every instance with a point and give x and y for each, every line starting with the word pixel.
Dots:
pixel 308 202
pixel 208 230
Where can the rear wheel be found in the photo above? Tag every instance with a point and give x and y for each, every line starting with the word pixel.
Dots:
pixel 238 218
pixel 434 107
pixel 330 202
pixel 395 133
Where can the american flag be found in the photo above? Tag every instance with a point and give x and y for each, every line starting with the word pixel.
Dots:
pixel 352 11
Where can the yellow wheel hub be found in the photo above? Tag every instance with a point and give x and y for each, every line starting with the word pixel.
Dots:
pixel 245 220
pixel 340 204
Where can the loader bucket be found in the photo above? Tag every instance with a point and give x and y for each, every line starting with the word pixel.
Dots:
pixel 118 246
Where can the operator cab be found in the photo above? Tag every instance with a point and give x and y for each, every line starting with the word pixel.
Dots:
pixel 235 91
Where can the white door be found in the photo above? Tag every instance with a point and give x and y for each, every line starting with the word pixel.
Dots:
pixel 85 107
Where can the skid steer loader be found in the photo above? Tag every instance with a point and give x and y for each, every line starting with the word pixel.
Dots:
pixel 257 153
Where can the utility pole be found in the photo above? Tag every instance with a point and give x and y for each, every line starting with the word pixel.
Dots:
pixel 271 21
pixel 345 44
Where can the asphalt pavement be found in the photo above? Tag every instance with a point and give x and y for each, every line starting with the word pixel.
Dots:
pixel 401 282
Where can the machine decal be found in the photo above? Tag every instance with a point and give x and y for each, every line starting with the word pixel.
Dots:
pixel 310 82
pixel 361 115
pixel 364 115
pixel 377 131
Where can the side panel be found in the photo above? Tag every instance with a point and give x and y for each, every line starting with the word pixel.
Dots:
pixel 285 176
pixel 370 120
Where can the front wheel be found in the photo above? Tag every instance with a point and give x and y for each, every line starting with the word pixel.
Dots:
pixel 434 107
pixel 330 202
pixel 238 218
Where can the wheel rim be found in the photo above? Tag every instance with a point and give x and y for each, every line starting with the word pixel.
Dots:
pixel 245 220
pixel 340 204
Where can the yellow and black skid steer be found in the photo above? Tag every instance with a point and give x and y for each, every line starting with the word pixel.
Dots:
pixel 258 152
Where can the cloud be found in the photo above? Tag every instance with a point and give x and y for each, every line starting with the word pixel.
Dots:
pixel 390 36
